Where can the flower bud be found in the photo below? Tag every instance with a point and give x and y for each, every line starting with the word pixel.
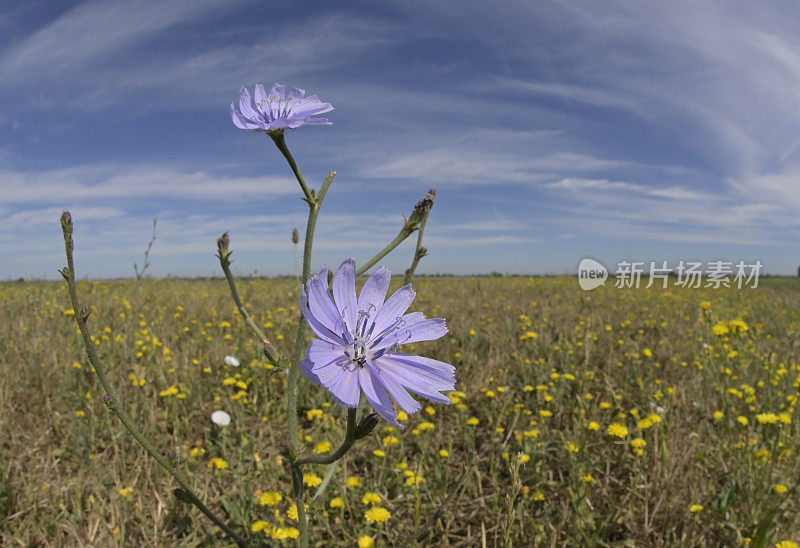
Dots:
pixel 422 208
pixel 367 425
pixel 222 246
pixel 66 219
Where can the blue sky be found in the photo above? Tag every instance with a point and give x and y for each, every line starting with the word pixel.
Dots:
pixel 551 130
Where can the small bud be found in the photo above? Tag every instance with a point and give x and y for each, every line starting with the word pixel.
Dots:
pixel 181 495
pixel 64 272
pixel 85 313
pixel 295 236
pixel 66 219
pixel 109 401
pixel 172 457
pixel 367 425
pixel 421 252
pixel 422 208
pixel 222 246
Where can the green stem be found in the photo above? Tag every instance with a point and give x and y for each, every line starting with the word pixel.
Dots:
pixel 299 342
pixel 280 142
pixel 111 399
pixel 297 486
pixel 418 215
pixel 419 252
pixel 404 233
pixel 314 204
pixel 223 254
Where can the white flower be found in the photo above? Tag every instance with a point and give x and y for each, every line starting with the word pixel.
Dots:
pixel 232 361
pixel 220 418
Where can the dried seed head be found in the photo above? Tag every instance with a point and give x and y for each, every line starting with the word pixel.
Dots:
pixel 295 236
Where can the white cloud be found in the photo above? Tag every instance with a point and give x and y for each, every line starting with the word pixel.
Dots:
pixel 487 157
pixel 97 182
pixel 91 32
pixel 101 67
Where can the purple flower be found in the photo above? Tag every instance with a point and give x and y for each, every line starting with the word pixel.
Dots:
pixel 278 111
pixel 358 338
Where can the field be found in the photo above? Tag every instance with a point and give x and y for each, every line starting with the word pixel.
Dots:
pixel 625 417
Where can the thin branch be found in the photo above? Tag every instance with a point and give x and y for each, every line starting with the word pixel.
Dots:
pixel 420 251
pixel 139 275
pixel 224 260
pixel 419 213
pixel 112 401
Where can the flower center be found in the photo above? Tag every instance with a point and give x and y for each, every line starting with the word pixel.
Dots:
pixel 361 345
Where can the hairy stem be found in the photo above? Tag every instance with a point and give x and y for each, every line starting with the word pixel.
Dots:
pixel 420 251
pixel 314 205
pixel 111 399
pixel 299 342
pixel 224 260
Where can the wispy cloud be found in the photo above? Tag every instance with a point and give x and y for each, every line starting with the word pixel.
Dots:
pixel 539 122
pixel 100 60
pixel 99 182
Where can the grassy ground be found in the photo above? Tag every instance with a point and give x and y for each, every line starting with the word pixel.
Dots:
pixel 616 417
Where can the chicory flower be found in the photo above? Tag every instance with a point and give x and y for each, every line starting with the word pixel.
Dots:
pixel 277 111
pixel 357 348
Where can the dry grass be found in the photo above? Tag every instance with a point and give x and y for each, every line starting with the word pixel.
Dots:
pixel 64 458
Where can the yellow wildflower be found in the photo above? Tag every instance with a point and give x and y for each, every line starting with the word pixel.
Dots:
pixel 376 514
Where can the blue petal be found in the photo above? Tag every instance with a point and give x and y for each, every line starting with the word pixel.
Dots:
pixel 320 302
pixel 278 91
pixel 239 121
pixel 394 307
pixel 346 391
pixel 374 291
pixel 344 293
pixel 396 390
pixel 318 122
pixel 376 395
pixel 261 98
pixel 426 385
pixel 316 326
pixel 427 330
pixel 246 106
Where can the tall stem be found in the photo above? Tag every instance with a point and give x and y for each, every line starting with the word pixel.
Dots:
pixel 111 399
pixel 291 389
pixel 314 205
